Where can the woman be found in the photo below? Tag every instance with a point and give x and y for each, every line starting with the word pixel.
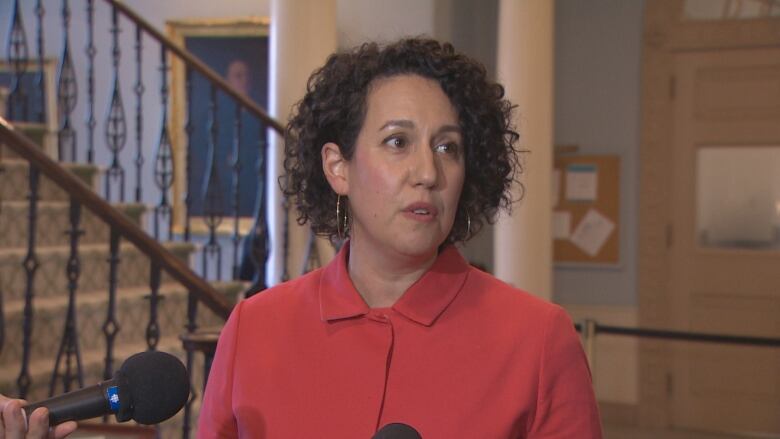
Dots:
pixel 406 150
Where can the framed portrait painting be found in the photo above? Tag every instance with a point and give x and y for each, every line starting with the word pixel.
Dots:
pixel 237 49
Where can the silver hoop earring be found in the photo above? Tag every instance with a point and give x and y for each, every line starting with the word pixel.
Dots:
pixel 468 224
pixel 339 232
pixel 341 227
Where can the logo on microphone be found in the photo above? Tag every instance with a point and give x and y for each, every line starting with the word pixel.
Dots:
pixel 113 398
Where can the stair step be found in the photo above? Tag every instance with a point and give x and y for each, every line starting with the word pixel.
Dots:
pixel 50 277
pixel 35 131
pixel 53 222
pixel 132 317
pixel 14 181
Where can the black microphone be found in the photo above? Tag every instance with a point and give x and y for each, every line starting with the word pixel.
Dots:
pixel 397 431
pixel 149 388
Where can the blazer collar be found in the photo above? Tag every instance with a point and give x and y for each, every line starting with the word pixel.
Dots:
pixel 423 302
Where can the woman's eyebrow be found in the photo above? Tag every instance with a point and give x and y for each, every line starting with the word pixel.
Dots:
pixel 449 129
pixel 400 123
pixel 406 123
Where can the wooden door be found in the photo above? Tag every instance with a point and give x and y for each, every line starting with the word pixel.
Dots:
pixel 725 237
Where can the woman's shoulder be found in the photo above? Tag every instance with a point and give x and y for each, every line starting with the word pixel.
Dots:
pixel 290 294
pixel 507 298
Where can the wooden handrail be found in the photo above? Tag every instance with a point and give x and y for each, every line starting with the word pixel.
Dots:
pixel 169 262
pixel 198 65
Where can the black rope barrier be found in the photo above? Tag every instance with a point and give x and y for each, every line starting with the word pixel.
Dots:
pixel 683 335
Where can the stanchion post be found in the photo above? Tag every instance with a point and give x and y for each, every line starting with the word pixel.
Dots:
pixel 589 341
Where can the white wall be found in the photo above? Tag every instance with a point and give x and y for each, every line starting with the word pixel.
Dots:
pixel 597 85
pixel 363 20
pixel 597 101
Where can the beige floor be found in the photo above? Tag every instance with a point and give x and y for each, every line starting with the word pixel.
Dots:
pixel 623 432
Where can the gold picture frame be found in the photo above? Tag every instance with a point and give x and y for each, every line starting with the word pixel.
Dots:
pixel 180 31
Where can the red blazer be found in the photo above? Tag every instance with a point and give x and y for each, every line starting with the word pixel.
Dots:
pixel 460 355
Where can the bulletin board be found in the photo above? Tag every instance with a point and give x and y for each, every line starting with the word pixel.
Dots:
pixel 586 207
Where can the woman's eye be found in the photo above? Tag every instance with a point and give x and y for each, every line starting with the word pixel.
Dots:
pixel 447 148
pixel 396 142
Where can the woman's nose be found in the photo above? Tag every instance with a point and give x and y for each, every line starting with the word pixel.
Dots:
pixel 425 171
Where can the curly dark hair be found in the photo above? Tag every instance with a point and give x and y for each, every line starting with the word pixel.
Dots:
pixel 334 108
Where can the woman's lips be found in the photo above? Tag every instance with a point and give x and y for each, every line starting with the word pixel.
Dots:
pixel 423 212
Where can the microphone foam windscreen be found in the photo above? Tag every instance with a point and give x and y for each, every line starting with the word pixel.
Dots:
pixel 397 431
pixel 158 385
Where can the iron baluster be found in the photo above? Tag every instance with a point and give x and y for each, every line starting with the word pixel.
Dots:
pixel 91 51
pixel 2 313
pixel 18 58
pixel 67 92
pixel 30 265
pixel 153 327
pixel 189 128
pixel 139 110
pixel 111 326
pixel 258 236
pixel 192 326
pixel 39 13
pixel 163 162
pixel 236 193
pixel 212 194
pixel 69 345
pixel 116 124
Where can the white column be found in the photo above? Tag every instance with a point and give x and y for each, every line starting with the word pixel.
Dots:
pixel 303 34
pixel 522 241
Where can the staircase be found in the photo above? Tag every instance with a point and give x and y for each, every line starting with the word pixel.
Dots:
pixel 51 287
pixel 85 283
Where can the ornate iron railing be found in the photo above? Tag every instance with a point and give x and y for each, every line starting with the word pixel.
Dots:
pixel 125 65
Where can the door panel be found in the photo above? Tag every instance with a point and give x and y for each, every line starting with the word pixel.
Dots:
pixel 725 264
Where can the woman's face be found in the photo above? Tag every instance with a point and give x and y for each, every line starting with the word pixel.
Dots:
pixel 406 174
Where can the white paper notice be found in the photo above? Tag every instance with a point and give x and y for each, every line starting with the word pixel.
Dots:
pixel 581 182
pixel 592 232
pixel 561 224
pixel 556 186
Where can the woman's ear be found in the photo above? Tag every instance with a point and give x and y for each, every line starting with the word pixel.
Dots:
pixel 334 165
